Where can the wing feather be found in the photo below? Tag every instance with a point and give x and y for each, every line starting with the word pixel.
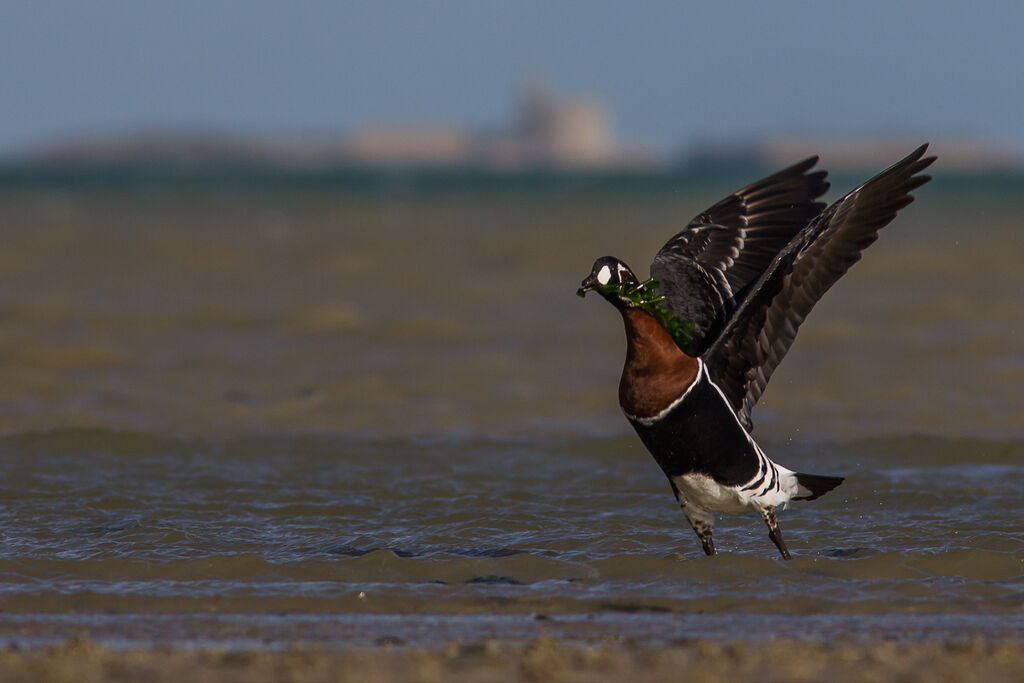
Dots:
pixel 704 268
pixel 760 333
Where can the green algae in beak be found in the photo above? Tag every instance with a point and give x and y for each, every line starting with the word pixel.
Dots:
pixel 641 295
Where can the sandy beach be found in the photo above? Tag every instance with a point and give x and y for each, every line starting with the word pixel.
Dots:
pixel 541 659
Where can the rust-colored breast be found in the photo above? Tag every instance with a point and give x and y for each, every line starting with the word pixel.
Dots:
pixel 656 372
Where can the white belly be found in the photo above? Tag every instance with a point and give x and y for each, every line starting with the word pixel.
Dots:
pixel 702 491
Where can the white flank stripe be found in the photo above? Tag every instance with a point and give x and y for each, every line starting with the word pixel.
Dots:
pixel 773 478
pixel 772 491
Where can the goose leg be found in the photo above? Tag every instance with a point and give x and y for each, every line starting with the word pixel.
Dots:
pixel 704 534
pixel 768 515
pixel 702 521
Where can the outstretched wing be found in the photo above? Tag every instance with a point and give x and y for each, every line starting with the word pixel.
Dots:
pixel 751 346
pixel 704 268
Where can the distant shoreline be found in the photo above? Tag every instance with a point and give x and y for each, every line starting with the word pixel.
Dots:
pixel 397 177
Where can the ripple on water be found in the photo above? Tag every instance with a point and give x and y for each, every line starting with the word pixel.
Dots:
pixel 334 524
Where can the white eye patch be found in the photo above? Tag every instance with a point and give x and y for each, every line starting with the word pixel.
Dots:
pixel 604 275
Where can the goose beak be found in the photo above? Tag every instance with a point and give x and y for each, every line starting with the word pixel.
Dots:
pixel 588 284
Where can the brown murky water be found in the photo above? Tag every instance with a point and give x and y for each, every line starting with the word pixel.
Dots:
pixel 337 405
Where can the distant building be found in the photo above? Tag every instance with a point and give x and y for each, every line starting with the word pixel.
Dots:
pixel 554 131
pixel 547 131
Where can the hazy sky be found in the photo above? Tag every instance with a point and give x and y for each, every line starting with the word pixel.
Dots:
pixel 670 71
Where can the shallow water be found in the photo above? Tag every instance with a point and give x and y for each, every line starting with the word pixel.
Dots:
pixel 99 522
pixel 326 404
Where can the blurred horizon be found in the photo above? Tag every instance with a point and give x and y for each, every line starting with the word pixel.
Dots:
pixel 408 84
pixel 547 130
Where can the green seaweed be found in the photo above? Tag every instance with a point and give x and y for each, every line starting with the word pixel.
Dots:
pixel 641 295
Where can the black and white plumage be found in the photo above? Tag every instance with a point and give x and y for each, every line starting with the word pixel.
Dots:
pixel 746 273
pixel 705 269
pixel 748 350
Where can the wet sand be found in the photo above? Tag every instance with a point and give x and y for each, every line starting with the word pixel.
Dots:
pixel 542 659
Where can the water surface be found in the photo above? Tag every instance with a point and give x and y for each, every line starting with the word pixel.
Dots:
pixel 335 406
